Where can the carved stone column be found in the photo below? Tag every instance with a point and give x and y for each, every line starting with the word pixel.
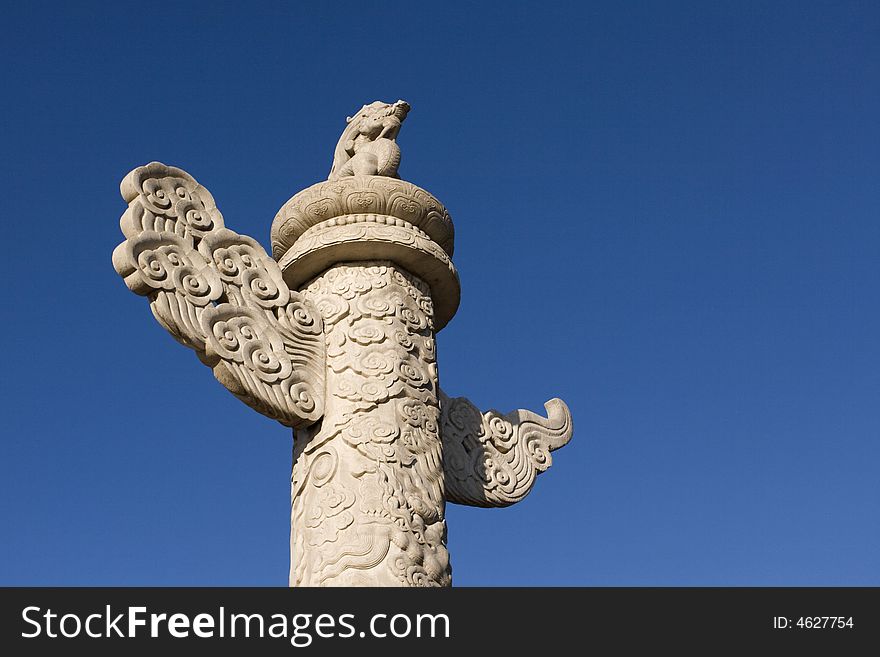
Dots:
pixel 334 337
pixel 367 488
pixel 367 499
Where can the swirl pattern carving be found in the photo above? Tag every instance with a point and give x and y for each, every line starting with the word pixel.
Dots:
pixel 492 460
pixel 220 294
pixel 381 424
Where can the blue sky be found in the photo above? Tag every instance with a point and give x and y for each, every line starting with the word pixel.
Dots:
pixel 666 214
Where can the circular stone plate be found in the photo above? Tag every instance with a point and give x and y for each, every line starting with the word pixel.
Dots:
pixel 359 195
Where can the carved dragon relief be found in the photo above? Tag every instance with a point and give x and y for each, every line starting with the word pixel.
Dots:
pixel 346 357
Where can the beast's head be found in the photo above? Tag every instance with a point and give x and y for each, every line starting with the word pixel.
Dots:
pixel 378 119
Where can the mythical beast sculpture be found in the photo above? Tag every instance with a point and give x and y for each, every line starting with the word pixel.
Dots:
pixel 367 146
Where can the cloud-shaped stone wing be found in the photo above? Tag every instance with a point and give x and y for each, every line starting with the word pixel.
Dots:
pixel 220 294
pixel 492 460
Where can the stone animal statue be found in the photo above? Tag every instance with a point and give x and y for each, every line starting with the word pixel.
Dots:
pixel 367 146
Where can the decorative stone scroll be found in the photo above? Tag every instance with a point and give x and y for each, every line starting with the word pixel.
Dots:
pixel 338 341
pixel 492 459
pixel 218 293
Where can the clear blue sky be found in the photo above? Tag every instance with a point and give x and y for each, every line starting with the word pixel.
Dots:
pixel 666 214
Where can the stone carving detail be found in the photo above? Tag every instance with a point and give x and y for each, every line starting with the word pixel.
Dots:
pixel 378 236
pixel 367 146
pixel 218 293
pixel 367 484
pixel 361 195
pixel 492 459
pixel 337 339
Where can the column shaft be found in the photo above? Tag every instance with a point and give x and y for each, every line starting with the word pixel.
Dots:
pixel 367 493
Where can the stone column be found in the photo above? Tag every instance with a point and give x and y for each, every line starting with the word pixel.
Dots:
pixel 367 491
pixel 367 488
pixel 333 336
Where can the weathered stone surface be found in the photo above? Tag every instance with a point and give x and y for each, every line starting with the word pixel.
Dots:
pixel 338 340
